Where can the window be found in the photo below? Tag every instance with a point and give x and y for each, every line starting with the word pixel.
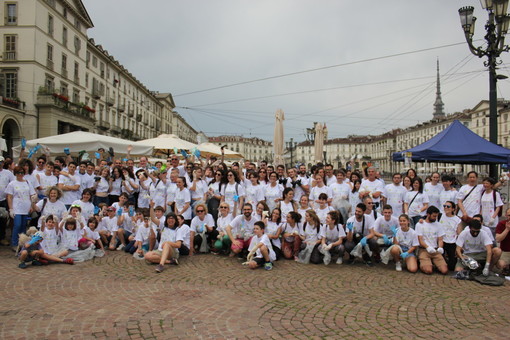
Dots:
pixel 9 84
pixel 64 62
pixel 50 52
pixel 64 12
pixel 76 72
pixel 87 59
pixel 101 69
pixel 86 80
pixel 77 24
pixel 94 61
pixel 12 17
pixel 77 44
pixel 10 47
pixel 64 88
pixel 49 83
pixel 50 25
pixel 64 36
pixel 76 96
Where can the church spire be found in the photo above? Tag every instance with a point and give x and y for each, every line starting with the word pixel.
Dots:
pixel 438 104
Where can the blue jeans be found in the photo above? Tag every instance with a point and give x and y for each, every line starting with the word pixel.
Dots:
pixel 20 226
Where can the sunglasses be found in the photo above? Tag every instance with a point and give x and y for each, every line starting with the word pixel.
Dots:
pixel 41 162
pixel 20 173
pixel 199 211
pixel 223 207
pixel 447 206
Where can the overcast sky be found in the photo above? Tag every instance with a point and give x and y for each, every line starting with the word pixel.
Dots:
pixel 189 46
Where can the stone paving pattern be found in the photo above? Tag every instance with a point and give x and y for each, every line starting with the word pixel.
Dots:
pixel 213 297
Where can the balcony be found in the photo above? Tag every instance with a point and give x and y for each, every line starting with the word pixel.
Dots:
pixel 76 80
pixel 138 117
pixel 49 64
pixel 61 102
pixel 131 112
pixel 126 134
pixel 115 130
pixel 64 73
pixel 12 102
pixel 122 108
pixel 96 93
pixel 9 56
pixel 103 125
pixel 110 101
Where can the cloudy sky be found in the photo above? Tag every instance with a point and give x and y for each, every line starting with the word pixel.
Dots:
pixel 363 67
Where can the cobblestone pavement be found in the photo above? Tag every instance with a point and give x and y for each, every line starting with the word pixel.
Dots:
pixel 212 297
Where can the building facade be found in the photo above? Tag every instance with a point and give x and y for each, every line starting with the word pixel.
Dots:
pixel 54 80
pixel 253 149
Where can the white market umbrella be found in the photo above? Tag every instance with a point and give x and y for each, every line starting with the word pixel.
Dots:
pixel 319 142
pixel 210 149
pixel 278 138
pixel 81 140
pixel 168 143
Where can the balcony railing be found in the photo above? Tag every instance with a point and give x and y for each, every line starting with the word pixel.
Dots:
pixel 49 64
pixel 122 108
pixel 9 56
pixel 110 101
pixel 103 125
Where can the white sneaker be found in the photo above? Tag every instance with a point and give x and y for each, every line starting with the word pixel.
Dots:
pixel 340 260
pixel 121 247
pixel 398 266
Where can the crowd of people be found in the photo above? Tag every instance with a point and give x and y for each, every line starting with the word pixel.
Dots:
pixel 260 213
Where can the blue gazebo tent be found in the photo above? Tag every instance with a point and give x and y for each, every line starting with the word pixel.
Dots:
pixel 457 144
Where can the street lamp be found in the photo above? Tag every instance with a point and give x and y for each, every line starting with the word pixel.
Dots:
pixel 496 27
pixel 291 146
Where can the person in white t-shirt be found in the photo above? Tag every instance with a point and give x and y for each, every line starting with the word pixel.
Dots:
pixel 430 235
pixel 168 249
pixel 450 224
pixel 469 197
pixel 202 229
pixel 261 251
pixel 291 231
pixel 416 201
pixel 360 229
pixel 384 227
pixel 240 230
pixel 394 195
pixel 274 230
pixel 448 193
pixel 476 244
pixel 372 187
pixel 433 190
pixel 407 241
pixel 70 184
pixel 222 244
pixel 108 228
pixel 332 237
pixel 91 235
pixel 491 203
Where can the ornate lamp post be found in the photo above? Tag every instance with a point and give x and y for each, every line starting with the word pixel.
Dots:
pixel 291 146
pixel 496 27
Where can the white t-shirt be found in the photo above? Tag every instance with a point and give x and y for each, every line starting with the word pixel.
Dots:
pixel 241 228
pixel 6 177
pixel 198 225
pixel 395 195
pixel 21 192
pixel 142 234
pixel 286 208
pixel 358 225
pixel 228 191
pixel 157 192
pixel 485 229
pixel 430 232
pixel 449 225
pixel 311 233
pixel 354 200
pixel 143 194
pixel 223 222
pixel 200 190
pixel 414 208
pixel 433 193
pixel 472 244
pixel 298 190
pixel 46 182
pixel 254 193
pixel 407 239
pixel 323 213
pixel 167 235
pixel 116 186
pixel 181 198
pixel 87 208
pixel 472 202
pixel 340 191
pixel 316 191
pixel 332 235
pixel 287 228
pixel 69 238
pixel 86 181
pixel 372 187
pixel 50 241
pixel 70 195
pixel 271 193
pixel 103 186
pixel 183 234
pixel 89 233
pixel 488 204
pixel 109 224
pixel 272 229
pixel 264 240
pixel 445 196
pixel 384 227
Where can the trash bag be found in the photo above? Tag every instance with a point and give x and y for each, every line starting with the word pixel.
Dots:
pixel 304 255
pixel 386 254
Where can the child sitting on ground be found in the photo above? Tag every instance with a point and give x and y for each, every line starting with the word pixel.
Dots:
pixel 91 235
